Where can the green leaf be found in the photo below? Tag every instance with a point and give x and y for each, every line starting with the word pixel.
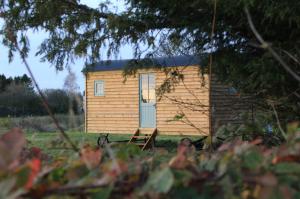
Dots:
pixel 252 159
pixel 160 181
pixel 57 174
pixel 182 177
pixel 296 195
pixel 22 176
pixel 210 164
pixel 185 192
pixel 126 151
pixel 102 193
pixel 287 168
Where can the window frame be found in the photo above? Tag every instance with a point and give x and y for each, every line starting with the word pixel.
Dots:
pixel 95 88
pixel 148 100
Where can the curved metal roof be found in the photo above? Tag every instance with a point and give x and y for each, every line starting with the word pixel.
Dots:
pixel 150 62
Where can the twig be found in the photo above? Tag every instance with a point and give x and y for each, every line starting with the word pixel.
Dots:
pixel 278 122
pixel 210 73
pixel 69 190
pixel 44 100
pixel 188 122
pixel 291 56
pixel 192 93
pixel 267 46
pixel 187 103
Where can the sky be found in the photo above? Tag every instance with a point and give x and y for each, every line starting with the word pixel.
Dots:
pixel 46 74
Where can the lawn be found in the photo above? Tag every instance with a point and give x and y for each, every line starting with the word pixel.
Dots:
pixel 41 132
pixel 52 144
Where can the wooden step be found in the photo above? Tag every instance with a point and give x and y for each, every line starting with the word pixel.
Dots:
pixel 144 138
pixel 140 144
pixel 141 136
pixel 146 131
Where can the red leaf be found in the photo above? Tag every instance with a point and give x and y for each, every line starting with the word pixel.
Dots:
pixel 181 160
pixel 11 145
pixel 91 157
pixel 36 152
pixel 287 158
pixel 35 168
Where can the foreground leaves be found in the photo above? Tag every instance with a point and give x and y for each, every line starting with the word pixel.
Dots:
pixel 11 145
pixel 160 181
pixel 237 169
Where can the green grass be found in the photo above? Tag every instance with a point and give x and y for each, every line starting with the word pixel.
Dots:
pixel 42 123
pixel 52 144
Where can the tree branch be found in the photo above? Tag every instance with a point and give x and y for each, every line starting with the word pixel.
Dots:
pixel 44 100
pixel 278 121
pixel 267 46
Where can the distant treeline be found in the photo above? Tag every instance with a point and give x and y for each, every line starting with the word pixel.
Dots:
pixel 18 98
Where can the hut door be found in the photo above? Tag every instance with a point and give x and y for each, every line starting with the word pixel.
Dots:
pixel 147 101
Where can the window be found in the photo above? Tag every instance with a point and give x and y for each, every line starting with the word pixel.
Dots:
pixel 232 91
pixel 148 88
pixel 99 88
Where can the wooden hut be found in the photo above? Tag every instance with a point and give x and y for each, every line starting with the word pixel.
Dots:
pixel 191 107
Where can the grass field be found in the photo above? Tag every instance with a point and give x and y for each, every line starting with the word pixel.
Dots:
pixel 51 142
pixel 41 132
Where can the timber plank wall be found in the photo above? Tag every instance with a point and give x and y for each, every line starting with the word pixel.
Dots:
pixel 227 106
pixel 118 110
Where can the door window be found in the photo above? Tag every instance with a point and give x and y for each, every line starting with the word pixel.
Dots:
pixel 148 88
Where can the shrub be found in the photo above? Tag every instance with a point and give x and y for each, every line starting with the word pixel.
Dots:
pixel 45 123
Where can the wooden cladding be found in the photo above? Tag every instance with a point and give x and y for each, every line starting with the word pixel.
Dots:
pixel 184 111
pixel 117 110
pixel 228 105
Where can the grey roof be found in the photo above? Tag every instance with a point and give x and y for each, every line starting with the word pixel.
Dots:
pixel 150 62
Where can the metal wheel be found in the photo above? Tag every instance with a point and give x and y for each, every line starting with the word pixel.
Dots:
pixel 102 140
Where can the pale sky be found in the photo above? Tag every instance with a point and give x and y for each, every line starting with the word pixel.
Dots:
pixel 45 74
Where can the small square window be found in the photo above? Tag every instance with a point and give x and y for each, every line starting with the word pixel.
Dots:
pixel 232 91
pixel 99 88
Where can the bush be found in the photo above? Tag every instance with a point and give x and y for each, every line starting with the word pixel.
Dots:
pixel 21 100
pixel 253 127
pixel 45 123
pixel 238 169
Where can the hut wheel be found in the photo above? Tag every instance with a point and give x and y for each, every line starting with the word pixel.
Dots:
pixel 102 140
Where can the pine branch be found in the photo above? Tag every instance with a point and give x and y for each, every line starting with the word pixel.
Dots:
pixel 43 98
pixel 267 46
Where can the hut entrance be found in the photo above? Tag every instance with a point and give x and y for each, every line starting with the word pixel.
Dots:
pixel 147 101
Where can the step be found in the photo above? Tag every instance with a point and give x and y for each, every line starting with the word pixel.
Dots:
pixel 142 136
pixel 146 131
pixel 140 144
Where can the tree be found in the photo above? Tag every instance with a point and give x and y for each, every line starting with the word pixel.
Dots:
pixel 17 96
pixel 18 80
pixel 173 27
pixel 4 82
pixel 18 100
pixel 25 80
pixel 75 99
pixel 58 100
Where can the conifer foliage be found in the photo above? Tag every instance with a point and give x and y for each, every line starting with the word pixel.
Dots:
pixel 172 27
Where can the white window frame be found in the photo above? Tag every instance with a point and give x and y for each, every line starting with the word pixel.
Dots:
pixel 96 93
